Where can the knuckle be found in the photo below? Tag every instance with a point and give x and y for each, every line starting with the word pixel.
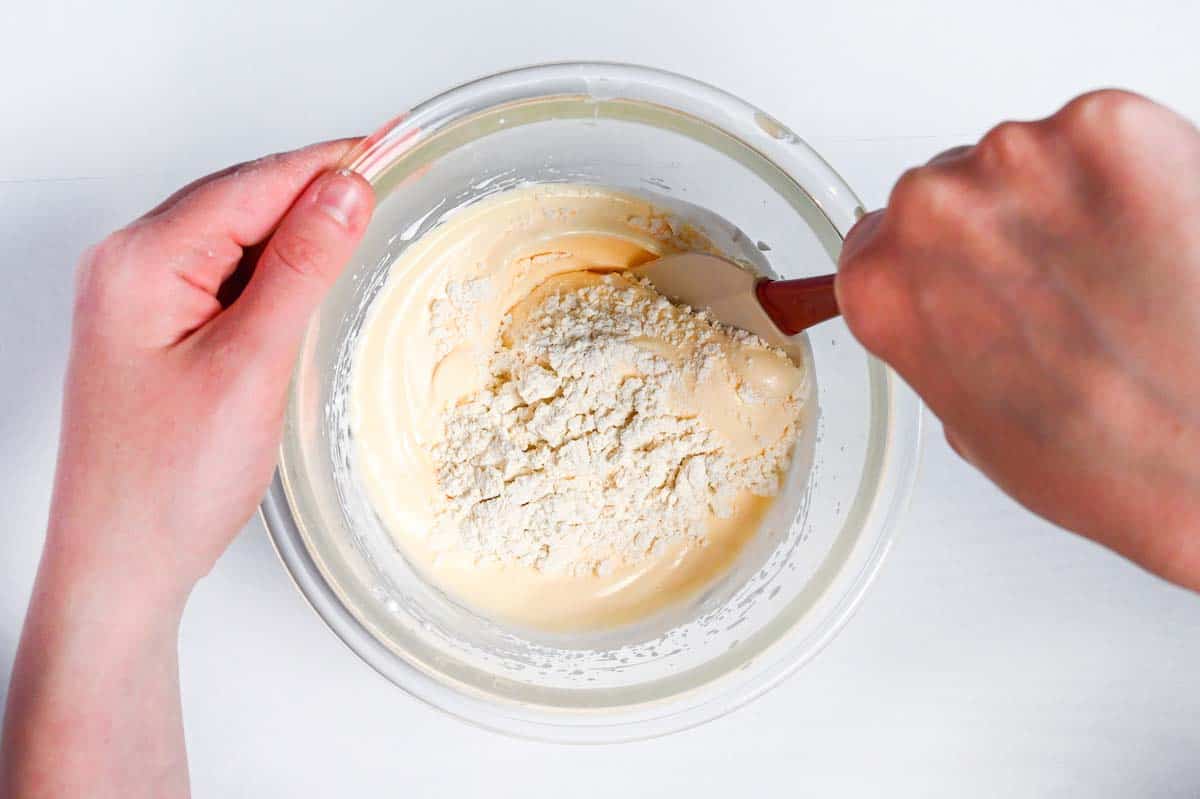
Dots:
pixel 109 250
pixel 923 199
pixel 1104 112
pixel 911 188
pixel 285 165
pixel 100 268
pixel 1123 142
pixel 299 252
pixel 254 166
pixel 1009 145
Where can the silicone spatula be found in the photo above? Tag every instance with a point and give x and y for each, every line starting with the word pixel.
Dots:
pixel 775 310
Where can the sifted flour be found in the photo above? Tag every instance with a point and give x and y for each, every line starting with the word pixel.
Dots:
pixel 612 424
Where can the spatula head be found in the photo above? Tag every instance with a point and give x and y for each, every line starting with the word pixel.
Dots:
pixel 720 286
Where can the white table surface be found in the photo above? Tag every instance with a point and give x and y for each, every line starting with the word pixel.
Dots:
pixel 995 656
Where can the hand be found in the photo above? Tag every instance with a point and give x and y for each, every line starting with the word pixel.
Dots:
pixel 174 405
pixel 171 423
pixel 1041 291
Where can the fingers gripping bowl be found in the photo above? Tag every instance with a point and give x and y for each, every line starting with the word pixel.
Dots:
pixel 711 158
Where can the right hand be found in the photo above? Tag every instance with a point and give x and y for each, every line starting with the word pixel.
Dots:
pixel 1041 291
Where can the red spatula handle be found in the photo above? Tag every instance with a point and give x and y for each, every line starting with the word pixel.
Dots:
pixel 796 305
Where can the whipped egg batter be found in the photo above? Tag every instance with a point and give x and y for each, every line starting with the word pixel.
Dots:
pixel 469 287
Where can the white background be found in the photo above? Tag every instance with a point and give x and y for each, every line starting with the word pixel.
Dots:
pixel 995 656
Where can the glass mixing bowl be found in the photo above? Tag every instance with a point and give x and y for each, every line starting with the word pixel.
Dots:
pixel 691 146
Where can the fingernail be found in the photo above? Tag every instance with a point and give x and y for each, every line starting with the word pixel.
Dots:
pixel 341 197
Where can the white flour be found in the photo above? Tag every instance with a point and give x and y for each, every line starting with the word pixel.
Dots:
pixel 450 316
pixel 576 457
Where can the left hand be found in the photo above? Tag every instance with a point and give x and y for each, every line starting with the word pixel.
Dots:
pixel 173 410
pixel 174 403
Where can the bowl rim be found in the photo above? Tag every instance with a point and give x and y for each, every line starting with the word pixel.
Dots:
pixel 370 158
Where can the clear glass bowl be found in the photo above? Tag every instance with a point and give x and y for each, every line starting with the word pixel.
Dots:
pixel 797 583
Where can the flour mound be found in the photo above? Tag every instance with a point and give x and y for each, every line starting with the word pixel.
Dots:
pixel 575 458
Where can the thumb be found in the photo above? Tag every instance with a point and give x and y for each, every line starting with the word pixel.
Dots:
pixel 299 263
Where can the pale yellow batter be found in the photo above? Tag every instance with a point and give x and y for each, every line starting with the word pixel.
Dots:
pixel 417 358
